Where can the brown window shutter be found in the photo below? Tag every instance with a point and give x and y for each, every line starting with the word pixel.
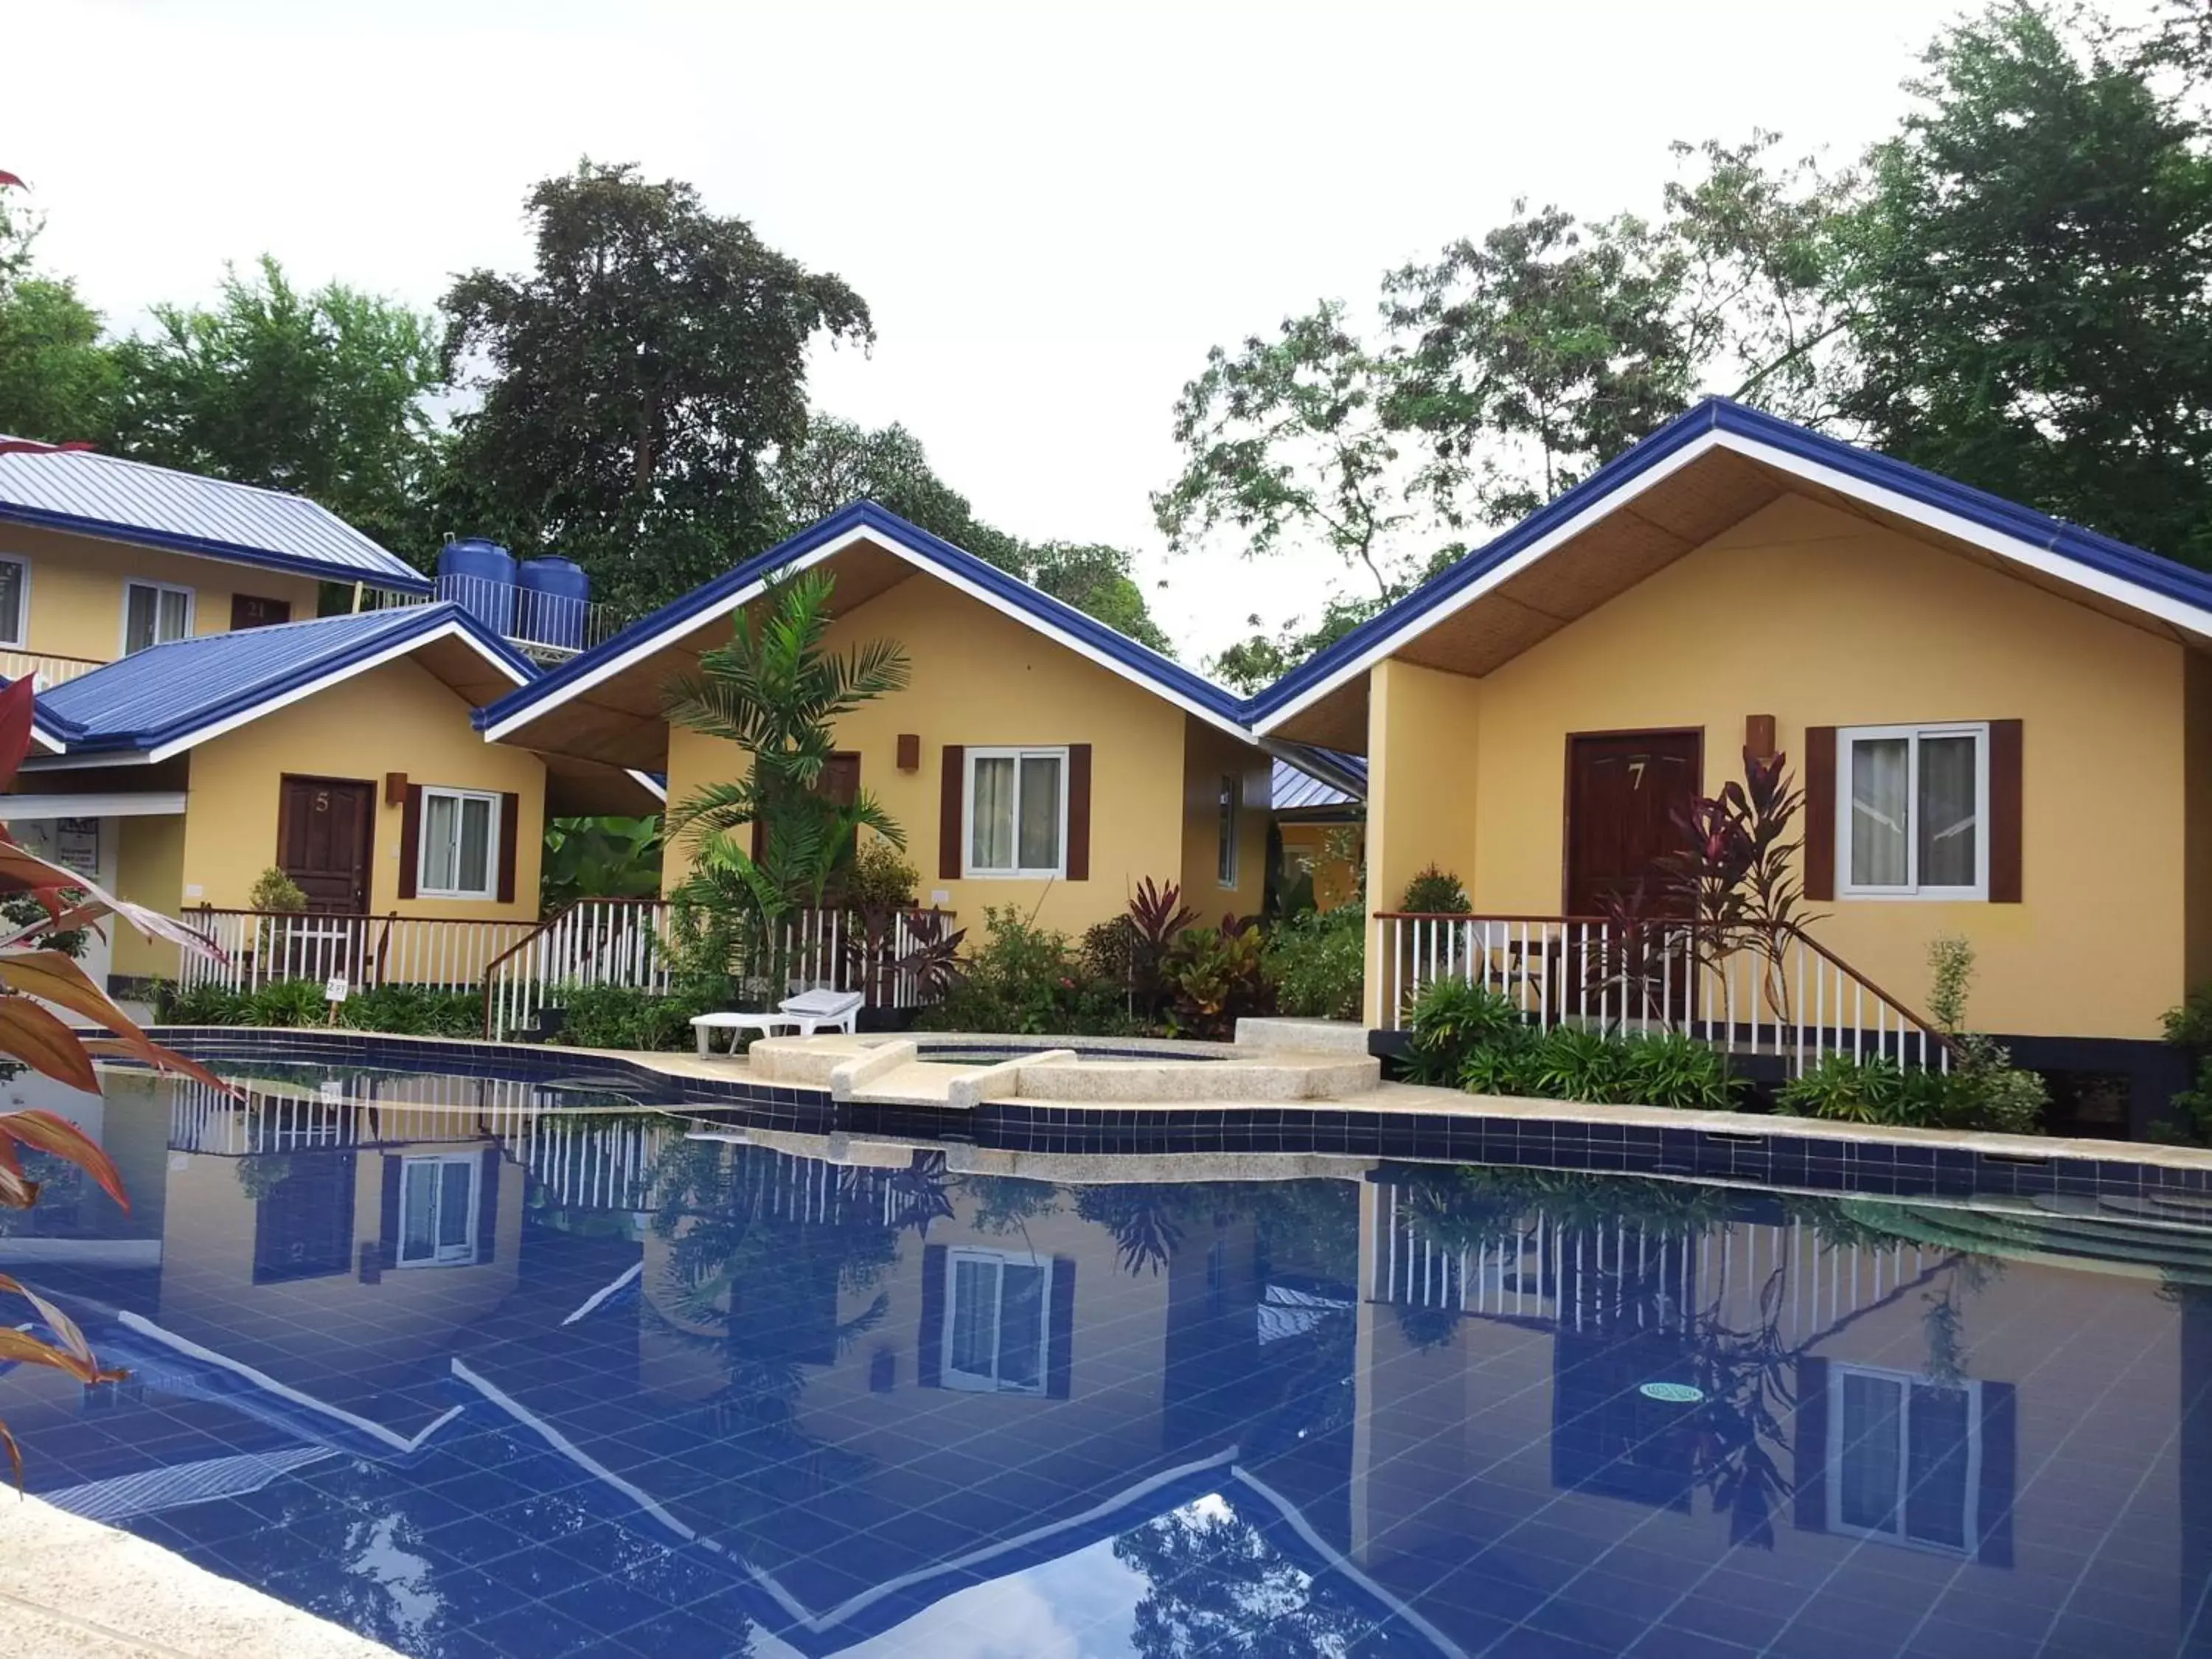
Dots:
pixel 951 812
pixel 1820 812
pixel 1079 811
pixel 411 839
pixel 510 830
pixel 2005 798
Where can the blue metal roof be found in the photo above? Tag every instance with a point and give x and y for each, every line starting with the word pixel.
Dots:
pixel 2095 554
pixel 105 496
pixel 167 692
pixel 1008 592
pixel 1328 783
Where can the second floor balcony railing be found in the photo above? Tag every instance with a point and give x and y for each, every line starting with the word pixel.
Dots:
pixel 46 670
pixel 545 625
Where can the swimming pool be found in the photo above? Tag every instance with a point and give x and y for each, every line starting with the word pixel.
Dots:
pixel 479 1366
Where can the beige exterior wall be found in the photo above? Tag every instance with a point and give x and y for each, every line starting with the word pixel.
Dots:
pixel 396 718
pixel 1820 618
pixel 1211 755
pixel 77 582
pixel 982 679
pixel 149 870
pixel 1423 806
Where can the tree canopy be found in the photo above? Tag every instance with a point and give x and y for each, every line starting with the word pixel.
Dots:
pixel 2014 289
pixel 635 386
pixel 323 394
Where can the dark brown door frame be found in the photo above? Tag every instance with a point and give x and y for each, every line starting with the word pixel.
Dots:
pixel 1696 733
pixel 368 825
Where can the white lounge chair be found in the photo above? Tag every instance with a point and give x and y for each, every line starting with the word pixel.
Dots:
pixel 806 1013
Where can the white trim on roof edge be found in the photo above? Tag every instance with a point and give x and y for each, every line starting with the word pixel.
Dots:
pixel 1666 467
pixel 890 542
pixel 2172 612
pixel 404 648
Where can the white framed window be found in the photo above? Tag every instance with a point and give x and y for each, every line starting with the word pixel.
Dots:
pixel 458 833
pixel 1904 1458
pixel 1017 812
pixel 1910 807
pixel 1232 801
pixel 14 601
pixel 438 1211
pixel 997 1307
pixel 154 613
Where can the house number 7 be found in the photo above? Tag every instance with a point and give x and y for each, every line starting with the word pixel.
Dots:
pixel 1636 772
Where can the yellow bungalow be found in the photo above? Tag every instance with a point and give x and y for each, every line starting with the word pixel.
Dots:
pixel 2001 723
pixel 199 723
pixel 1038 761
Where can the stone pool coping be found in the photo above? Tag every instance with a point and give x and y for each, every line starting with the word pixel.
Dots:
pixel 1394 1121
pixel 73 1588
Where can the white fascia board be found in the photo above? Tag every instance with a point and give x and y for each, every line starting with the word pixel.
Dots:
pixel 84 759
pixel 644 781
pixel 154 802
pixel 646 648
pixel 1489 580
pixel 390 653
pixel 632 655
pixel 2176 613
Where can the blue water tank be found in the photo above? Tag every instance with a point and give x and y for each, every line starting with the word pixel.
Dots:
pixel 555 597
pixel 479 576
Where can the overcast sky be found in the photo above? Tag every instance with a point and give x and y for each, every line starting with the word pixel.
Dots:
pixel 1052 211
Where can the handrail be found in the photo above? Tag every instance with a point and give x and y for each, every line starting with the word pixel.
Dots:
pixel 386 916
pixel 1559 968
pixel 1898 1003
pixel 545 922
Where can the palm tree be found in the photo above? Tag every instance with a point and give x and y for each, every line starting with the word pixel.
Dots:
pixel 776 690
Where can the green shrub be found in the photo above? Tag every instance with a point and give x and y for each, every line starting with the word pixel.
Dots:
pixel 620 1017
pixel 275 890
pixel 1594 1068
pixel 879 877
pixel 1020 978
pixel 1317 962
pixel 288 1002
pixel 1970 1096
pixel 1215 976
pixel 1433 891
pixel 1109 950
pixel 1450 1019
pixel 416 1011
pixel 204 1004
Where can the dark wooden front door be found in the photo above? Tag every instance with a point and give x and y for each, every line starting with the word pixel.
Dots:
pixel 325 827
pixel 1623 790
pixel 839 782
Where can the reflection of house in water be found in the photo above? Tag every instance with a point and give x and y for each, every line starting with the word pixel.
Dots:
pixel 1915 1431
pixel 835 1394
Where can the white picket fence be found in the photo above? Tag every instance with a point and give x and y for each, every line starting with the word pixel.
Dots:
pixel 444 953
pixel 624 942
pixel 1800 1002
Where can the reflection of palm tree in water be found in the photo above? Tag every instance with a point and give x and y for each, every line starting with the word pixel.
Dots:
pixel 760 1248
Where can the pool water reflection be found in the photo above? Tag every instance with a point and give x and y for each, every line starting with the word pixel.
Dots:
pixel 475 1372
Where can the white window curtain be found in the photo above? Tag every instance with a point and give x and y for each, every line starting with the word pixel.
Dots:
pixel 457 834
pixel 992 814
pixel 153 614
pixel 1880 785
pixel 1014 809
pixel 1915 810
pixel 1040 811
pixel 1948 775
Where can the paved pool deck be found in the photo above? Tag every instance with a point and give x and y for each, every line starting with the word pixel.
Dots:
pixel 73 1588
pixel 1421 1100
